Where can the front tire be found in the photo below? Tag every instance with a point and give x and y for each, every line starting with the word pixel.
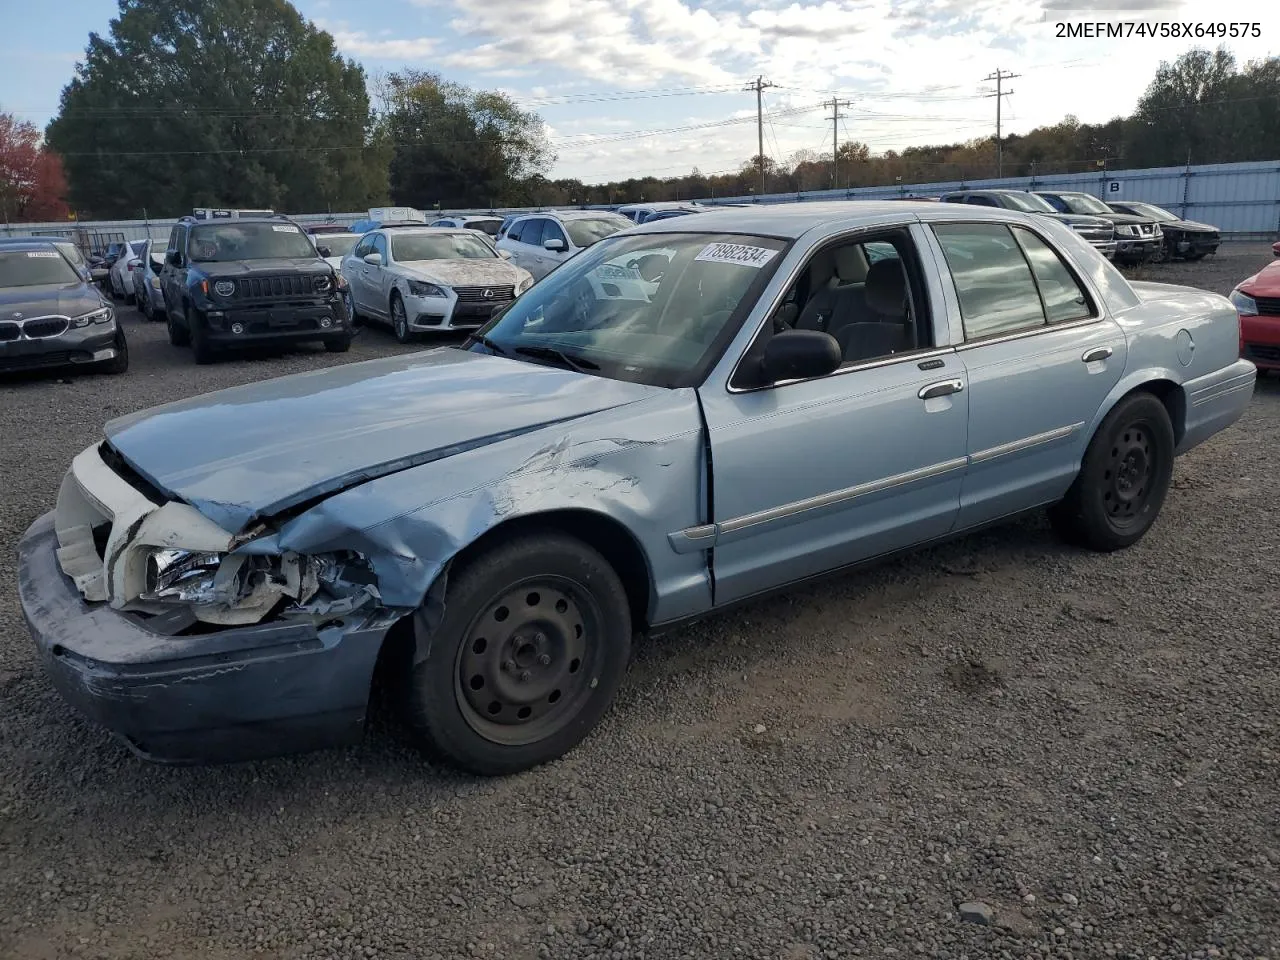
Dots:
pixel 200 345
pixel 338 344
pixel 528 656
pixel 400 320
pixel 120 362
pixel 1123 480
pixel 179 335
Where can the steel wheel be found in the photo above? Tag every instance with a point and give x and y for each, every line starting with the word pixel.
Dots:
pixel 399 320
pixel 1128 474
pixel 526 665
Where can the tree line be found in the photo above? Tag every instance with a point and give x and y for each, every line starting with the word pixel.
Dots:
pixel 245 103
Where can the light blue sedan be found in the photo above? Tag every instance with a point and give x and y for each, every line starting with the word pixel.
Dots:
pixel 689 414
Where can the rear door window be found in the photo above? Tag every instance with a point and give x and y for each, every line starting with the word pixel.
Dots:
pixel 997 292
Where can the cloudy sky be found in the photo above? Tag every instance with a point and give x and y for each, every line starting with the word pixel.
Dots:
pixel 633 87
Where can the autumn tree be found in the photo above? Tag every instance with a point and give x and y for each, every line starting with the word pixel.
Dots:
pixel 229 103
pixel 32 185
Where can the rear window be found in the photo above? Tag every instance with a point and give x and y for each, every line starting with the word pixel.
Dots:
pixel 586 231
pixel 485 226
pixel 439 246
pixel 34 268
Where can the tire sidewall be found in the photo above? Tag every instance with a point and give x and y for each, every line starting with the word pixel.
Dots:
pixel 402 333
pixel 430 695
pixel 1141 409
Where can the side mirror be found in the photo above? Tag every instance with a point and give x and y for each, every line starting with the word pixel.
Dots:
pixel 173 258
pixel 506 254
pixel 555 246
pixel 373 259
pixel 324 252
pixel 799 355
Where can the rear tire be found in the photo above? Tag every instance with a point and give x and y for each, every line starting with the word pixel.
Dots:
pixel 529 653
pixel 1123 479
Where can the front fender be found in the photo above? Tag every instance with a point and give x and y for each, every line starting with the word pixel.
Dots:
pixel 639 467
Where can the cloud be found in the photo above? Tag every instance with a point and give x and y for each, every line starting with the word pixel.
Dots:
pixel 360 44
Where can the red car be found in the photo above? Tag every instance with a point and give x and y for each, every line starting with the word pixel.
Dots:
pixel 1257 300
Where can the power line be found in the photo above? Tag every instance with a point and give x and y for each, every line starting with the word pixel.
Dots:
pixel 835 103
pixel 999 77
pixel 760 85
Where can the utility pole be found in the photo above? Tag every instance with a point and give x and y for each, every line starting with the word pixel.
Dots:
pixel 836 116
pixel 760 85
pixel 999 77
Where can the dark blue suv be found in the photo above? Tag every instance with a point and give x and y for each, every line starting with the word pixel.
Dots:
pixel 235 282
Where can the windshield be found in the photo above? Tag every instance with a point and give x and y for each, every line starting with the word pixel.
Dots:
pixel 439 246
pixel 588 230
pixel 1029 203
pixel 653 308
pixel 1152 211
pixel 34 268
pixel 1084 204
pixel 220 242
pixel 338 246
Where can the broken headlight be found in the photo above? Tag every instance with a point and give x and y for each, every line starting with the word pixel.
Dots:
pixel 181 575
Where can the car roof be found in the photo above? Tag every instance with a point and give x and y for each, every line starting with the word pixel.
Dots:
pixel 431 231
pixel 28 244
pixel 791 220
pixel 12 240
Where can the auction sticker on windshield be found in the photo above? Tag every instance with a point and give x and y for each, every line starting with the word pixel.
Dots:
pixel 739 253
pixel 43 254
pixel 284 229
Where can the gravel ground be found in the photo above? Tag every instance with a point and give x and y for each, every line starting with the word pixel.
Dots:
pixel 1086 744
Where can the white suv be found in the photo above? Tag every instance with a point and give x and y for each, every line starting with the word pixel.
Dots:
pixel 540 242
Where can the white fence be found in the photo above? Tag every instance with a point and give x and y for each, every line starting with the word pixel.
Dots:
pixel 1241 199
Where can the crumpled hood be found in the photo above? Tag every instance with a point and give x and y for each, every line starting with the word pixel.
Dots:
pixel 257 450
pixel 472 271
pixel 54 299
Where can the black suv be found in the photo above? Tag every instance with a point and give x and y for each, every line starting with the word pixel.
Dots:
pixel 230 283
pixel 1138 238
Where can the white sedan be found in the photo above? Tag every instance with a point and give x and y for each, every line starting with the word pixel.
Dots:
pixel 422 279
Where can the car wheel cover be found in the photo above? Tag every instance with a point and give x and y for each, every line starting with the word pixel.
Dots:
pixel 528 663
pixel 1130 475
pixel 399 319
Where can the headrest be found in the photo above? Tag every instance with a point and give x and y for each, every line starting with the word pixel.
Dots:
pixel 886 290
pixel 851 266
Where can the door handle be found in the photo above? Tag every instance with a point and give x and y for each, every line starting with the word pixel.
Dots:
pixel 942 389
pixel 1097 353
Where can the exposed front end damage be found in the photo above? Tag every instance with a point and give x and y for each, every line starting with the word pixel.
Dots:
pixel 142 553
pixel 192 643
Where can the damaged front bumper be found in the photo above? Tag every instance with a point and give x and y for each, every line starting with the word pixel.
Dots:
pixel 225 695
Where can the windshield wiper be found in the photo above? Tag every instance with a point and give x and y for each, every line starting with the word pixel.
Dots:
pixel 580 364
pixel 484 341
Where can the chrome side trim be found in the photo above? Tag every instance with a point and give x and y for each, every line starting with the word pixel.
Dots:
pixel 1032 332
pixel 1222 392
pixel 693 539
pixel 1026 443
pixel 842 496
pixel 704 536
pixel 1216 390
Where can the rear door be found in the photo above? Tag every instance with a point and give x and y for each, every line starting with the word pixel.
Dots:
pixel 378 277
pixel 1040 355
